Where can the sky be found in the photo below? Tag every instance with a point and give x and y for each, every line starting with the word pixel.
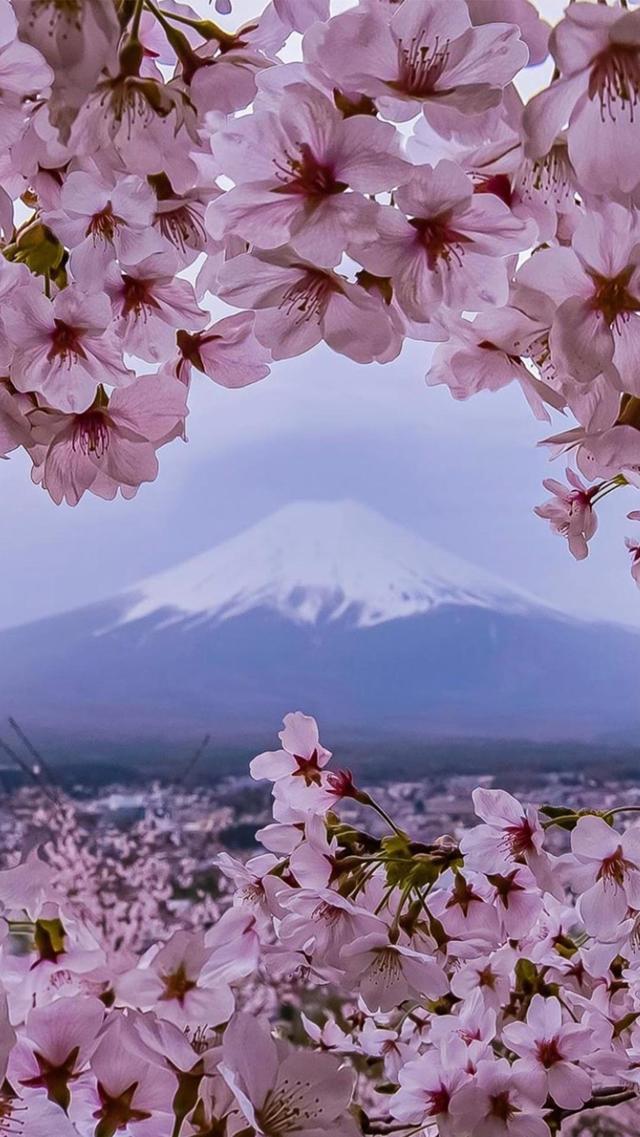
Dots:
pixel 464 475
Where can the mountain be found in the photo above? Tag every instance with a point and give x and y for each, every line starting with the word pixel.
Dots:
pixel 318 562
pixel 331 608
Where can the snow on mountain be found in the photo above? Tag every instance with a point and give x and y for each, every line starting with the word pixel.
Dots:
pixel 319 562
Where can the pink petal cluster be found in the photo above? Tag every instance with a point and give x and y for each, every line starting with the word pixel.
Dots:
pixel 353 980
pixel 357 178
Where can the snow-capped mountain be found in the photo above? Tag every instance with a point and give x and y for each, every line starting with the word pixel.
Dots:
pixel 316 562
pixel 332 609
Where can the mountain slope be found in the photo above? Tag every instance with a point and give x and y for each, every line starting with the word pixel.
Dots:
pixel 314 562
pixel 332 609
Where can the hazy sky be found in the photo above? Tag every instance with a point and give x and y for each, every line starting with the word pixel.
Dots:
pixel 464 475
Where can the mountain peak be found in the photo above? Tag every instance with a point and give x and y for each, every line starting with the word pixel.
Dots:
pixel 321 561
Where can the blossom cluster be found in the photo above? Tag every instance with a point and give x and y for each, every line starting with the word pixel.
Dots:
pixel 361 178
pixel 484 985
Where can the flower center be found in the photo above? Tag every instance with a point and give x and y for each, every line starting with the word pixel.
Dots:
pixel 615 81
pixel 284 1110
pixel 551 175
pixel 308 297
pixel 487 978
pixel 183 226
pixel 611 295
pixel 519 838
pixel 386 965
pixel 137 297
pixel 502 1106
pixel 116 1112
pixel 103 225
pixel 91 434
pixel 66 346
pixel 614 868
pixel 421 64
pixel 9 1107
pixel 308 769
pixel 438 1101
pixel 177 985
pixel 463 895
pixel 54 1078
pixel 304 174
pixel 440 241
pixel 548 1052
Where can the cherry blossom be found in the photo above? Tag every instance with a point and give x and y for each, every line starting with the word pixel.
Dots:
pixel 597 52
pixel 610 878
pixel 596 326
pixel 292 169
pixel 64 348
pixel 446 974
pixel 111 445
pixel 425 55
pixel 357 178
pixel 548 1049
pixel 386 974
pixel 496 1104
pixel 297 305
pixel 174 984
pixel 227 351
pixel 149 303
pixel 286 1092
pixel 570 512
pixel 448 248
pixel 104 216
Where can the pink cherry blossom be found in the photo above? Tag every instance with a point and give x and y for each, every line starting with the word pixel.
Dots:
pixel 610 877
pixel 425 55
pixel 570 512
pixel 301 755
pixel 548 1048
pixel 596 286
pixel 175 986
pixel 226 74
pixel 150 304
pixel 313 862
pixel 443 245
pixel 495 1104
pixel 491 975
pixel 23 75
pixel 281 1091
pixel 517 900
pixel 298 305
pixel 255 886
pixel 228 352
pixel 510 832
pixel 597 53
pixel 386 974
pixel 322 922
pixel 485 355
pixel 428 1086
pixel 466 913
pixel 60 1040
pixel 76 50
pixel 292 169
pixel 129 1091
pixel 104 216
pixel 111 445
pixel 64 348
